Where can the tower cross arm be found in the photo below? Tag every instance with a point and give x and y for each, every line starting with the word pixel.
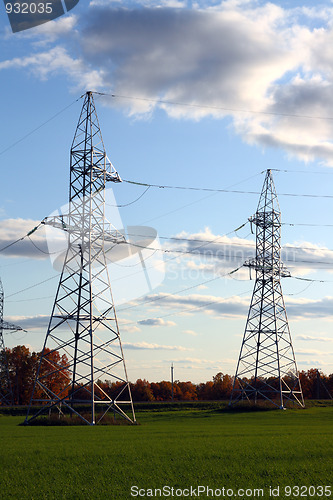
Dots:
pixel 108 233
pixel 263 266
pixel 107 169
pixel 4 325
pixel 112 176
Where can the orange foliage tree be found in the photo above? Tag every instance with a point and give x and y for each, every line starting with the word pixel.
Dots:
pixel 23 366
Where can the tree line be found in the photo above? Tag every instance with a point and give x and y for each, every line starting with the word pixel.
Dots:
pixel 23 364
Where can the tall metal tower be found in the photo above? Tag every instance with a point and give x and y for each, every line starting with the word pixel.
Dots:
pixel 6 393
pixel 83 328
pixel 266 368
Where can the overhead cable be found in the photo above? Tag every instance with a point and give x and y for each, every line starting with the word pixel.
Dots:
pixel 130 203
pixel 183 289
pixel 214 190
pixel 38 128
pixel 33 286
pixel 221 254
pixel 217 108
pixel 20 239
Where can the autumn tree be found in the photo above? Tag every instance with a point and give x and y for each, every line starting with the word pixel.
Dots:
pixel 23 366
pixel 54 372
pixel 188 391
pixel 315 384
pixel 161 390
pixel 222 386
pixel 141 391
pixel 205 391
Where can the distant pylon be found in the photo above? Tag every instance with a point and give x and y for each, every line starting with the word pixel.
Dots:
pixel 83 327
pixel 266 368
pixel 6 393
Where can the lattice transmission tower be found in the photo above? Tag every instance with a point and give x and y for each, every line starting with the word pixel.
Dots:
pixel 6 392
pixel 83 345
pixel 266 368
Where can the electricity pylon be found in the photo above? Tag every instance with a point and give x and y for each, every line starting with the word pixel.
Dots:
pixel 6 393
pixel 266 368
pixel 82 344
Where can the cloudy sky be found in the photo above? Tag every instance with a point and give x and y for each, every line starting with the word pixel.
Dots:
pixel 205 95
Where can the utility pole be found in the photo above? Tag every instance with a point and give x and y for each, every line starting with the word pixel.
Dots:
pixel 6 392
pixel 83 327
pixel 171 381
pixel 266 368
pixel 317 384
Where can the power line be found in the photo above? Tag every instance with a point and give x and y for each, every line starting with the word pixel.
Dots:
pixel 20 239
pixel 33 286
pixel 172 258
pixel 184 310
pixel 200 199
pixel 301 171
pixel 214 190
pixel 231 243
pixel 40 249
pixel 217 108
pixel 29 300
pixel 313 281
pixel 184 252
pixel 305 224
pixel 222 254
pixel 38 128
pixel 155 299
pixel 130 203
pixel 183 289
pixel 174 103
pixel 177 238
pixel 302 291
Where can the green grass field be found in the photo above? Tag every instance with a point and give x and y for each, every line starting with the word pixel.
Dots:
pixel 183 448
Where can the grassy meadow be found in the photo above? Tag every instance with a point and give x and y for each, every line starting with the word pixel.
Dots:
pixel 181 447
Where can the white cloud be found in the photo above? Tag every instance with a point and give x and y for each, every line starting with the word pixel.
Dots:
pixel 30 322
pixel 129 328
pixel 210 254
pixel 302 309
pixel 51 31
pixel 14 229
pixel 218 254
pixel 148 346
pixel 238 56
pixel 231 307
pixel 310 352
pixel 237 307
pixel 190 363
pixel 190 332
pixel 156 322
pixel 313 338
pixel 54 62
pixel 223 60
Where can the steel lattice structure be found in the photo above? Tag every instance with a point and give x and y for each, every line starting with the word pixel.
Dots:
pixel 6 393
pixel 83 327
pixel 266 368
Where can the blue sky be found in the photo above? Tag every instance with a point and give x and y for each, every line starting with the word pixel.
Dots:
pixel 246 69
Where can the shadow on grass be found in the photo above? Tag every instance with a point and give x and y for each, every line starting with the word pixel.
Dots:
pixel 73 420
